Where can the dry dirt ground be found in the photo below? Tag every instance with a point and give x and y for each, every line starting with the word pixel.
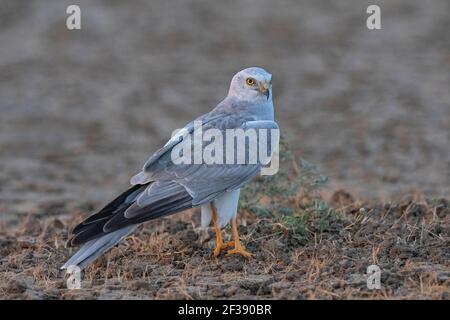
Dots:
pixel 80 111
pixel 303 248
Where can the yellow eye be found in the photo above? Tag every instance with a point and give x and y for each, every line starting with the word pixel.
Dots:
pixel 250 81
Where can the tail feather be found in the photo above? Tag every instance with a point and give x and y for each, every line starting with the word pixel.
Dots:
pixel 104 229
pixel 125 198
pixel 94 248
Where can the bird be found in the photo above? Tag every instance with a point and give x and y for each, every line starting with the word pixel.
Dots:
pixel 164 187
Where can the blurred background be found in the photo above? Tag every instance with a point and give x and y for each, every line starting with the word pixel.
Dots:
pixel 81 110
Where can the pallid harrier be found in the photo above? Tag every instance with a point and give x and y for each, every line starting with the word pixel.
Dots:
pixel 163 188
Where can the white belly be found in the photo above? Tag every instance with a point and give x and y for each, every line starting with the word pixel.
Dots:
pixel 226 207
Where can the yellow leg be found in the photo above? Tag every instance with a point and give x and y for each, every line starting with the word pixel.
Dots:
pixel 219 242
pixel 238 247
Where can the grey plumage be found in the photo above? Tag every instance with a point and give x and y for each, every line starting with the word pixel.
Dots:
pixel 94 248
pixel 163 188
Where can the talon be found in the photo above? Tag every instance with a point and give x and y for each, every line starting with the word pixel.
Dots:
pixel 221 246
pixel 228 244
pixel 238 247
pixel 217 251
pixel 240 250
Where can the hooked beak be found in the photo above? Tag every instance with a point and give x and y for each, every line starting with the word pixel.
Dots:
pixel 264 89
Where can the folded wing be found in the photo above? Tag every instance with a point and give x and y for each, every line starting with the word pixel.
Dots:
pixel 163 188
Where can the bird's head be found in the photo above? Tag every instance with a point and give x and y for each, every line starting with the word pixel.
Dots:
pixel 251 84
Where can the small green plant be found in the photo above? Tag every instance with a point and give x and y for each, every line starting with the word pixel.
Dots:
pixel 292 197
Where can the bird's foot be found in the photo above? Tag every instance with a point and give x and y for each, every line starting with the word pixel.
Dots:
pixel 240 249
pixel 221 246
